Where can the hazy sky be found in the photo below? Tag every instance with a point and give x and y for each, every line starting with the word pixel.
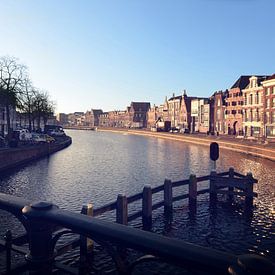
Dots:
pixel 105 54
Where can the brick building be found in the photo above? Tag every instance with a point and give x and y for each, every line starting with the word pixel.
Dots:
pixel 152 116
pixel 234 106
pixel 218 123
pixel 269 107
pixel 138 114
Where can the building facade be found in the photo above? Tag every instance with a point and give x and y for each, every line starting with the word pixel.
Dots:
pixel 269 107
pixel 3 120
pixel 62 119
pixel 200 115
pixel 234 106
pixel 218 119
pixel 253 109
pixel 138 114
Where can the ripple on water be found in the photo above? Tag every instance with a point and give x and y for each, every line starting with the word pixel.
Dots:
pixel 98 166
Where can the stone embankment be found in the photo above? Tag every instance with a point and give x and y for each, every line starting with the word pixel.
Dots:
pixel 249 147
pixel 13 157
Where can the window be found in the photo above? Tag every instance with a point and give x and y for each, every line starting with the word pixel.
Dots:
pixel 250 99
pixel 233 112
pixel 268 91
pixel 273 102
pixel 273 117
pixel 273 90
pixel 267 117
pixel 268 103
pixel 257 98
pixel 218 114
pixel 257 115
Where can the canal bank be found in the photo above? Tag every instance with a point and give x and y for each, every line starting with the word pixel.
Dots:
pixel 14 157
pixel 238 145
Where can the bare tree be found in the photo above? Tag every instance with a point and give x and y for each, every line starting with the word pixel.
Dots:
pixel 43 107
pixel 11 76
pixel 26 101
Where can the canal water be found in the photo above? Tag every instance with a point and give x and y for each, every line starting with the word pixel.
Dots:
pixel 100 165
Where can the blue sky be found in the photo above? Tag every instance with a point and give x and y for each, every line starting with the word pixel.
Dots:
pixel 105 54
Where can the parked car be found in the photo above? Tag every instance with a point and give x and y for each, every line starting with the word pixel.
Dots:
pixel 39 138
pixel 42 138
pixel 49 139
pixel 174 130
pixel 57 133
pixel 185 131
pixel 23 134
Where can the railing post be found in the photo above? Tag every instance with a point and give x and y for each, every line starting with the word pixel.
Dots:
pixel 147 207
pixel 86 244
pixel 122 210
pixel 41 254
pixel 168 196
pixel 8 244
pixel 231 189
pixel 213 189
pixel 249 190
pixel 192 193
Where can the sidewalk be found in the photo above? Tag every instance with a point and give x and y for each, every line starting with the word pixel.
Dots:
pixel 249 147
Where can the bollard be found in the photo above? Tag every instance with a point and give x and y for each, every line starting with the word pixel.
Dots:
pixel 147 207
pixel 192 193
pixel 168 196
pixel 231 189
pixel 122 210
pixel 41 255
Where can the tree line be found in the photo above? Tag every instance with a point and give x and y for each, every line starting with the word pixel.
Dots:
pixel 17 92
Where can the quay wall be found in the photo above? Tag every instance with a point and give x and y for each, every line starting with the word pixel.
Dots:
pixel 13 157
pixel 237 145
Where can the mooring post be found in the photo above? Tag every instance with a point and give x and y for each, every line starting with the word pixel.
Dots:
pixel 86 244
pixel 249 190
pixel 147 207
pixel 41 255
pixel 213 189
pixel 168 196
pixel 122 210
pixel 192 193
pixel 230 188
pixel 8 244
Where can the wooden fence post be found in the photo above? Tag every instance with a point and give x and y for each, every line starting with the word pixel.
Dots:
pixel 168 196
pixel 192 193
pixel 249 190
pixel 213 189
pixel 231 189
pixel 86 244
pixel 122 210
pixel 147 207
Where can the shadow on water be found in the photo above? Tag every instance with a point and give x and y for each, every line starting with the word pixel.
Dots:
pixel 98 166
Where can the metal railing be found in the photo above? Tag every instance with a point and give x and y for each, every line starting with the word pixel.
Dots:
pixel 41 220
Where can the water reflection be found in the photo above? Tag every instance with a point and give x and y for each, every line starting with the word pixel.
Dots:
pixel 100 165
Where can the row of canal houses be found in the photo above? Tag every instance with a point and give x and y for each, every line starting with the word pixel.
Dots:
pixel 246 109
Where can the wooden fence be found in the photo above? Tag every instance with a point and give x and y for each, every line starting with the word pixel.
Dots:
pixel 229 183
